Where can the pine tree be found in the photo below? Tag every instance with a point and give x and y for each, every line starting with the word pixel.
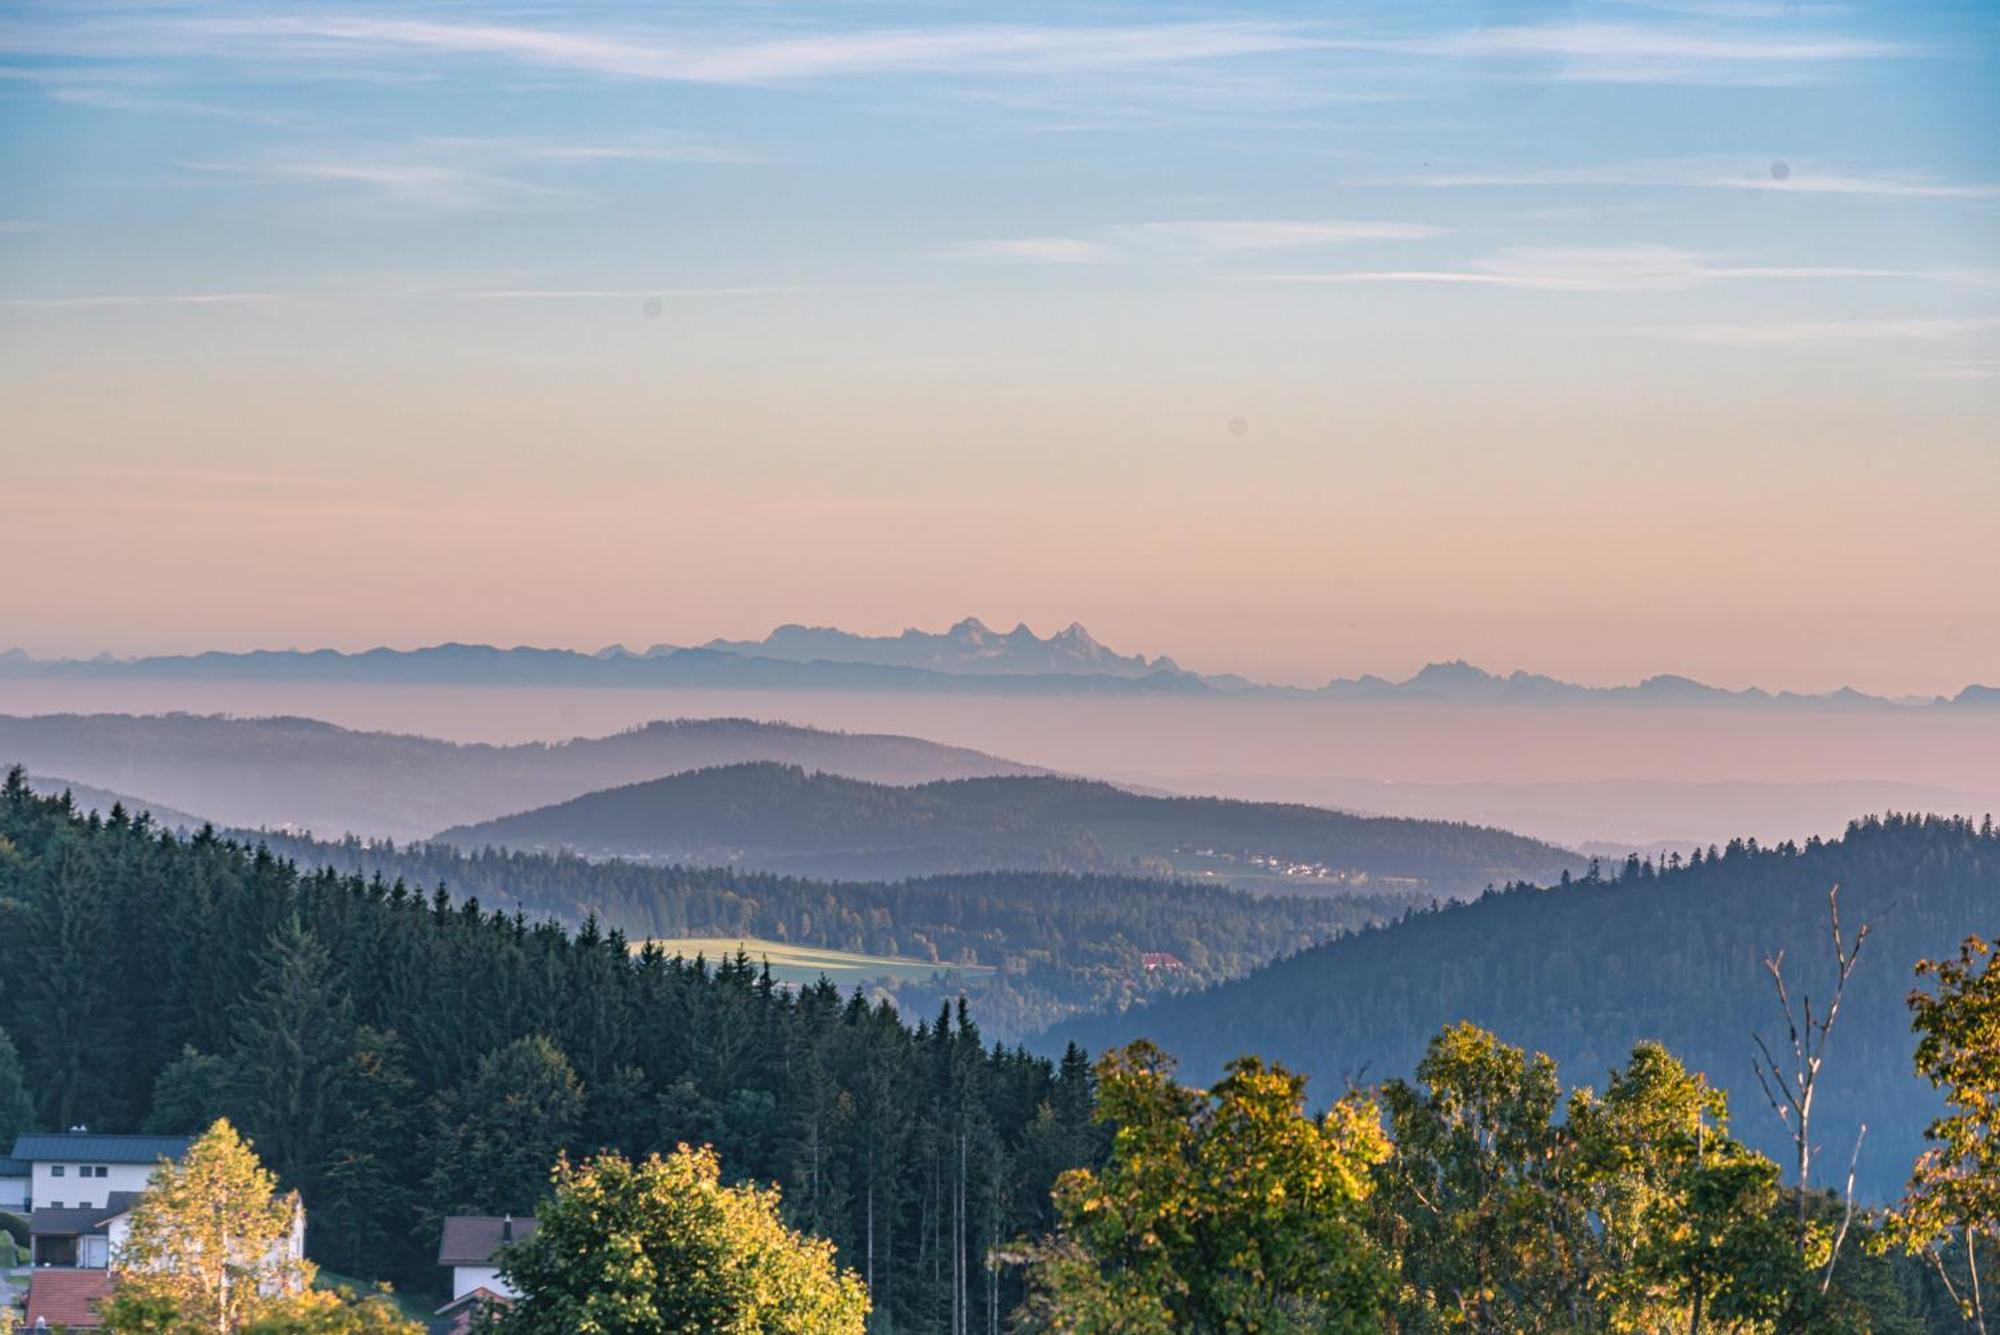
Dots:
pixel 499 1134
pixel 190 1093
pixel 293 1039
pixel 17 1109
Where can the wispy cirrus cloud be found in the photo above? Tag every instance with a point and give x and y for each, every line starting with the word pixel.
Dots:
pixel 1650 53
pixel 1034 250
pixel 619 293
pixel 1773 177
pixel 1180 236
pixel 108 301
pixel 1697 50
pixel 643 54
pixel 415 186
pixel 516 150
pixel 1273 234
pixel 1609 269
pixel 1830 331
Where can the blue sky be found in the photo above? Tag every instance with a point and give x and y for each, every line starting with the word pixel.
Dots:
pixel 1301 283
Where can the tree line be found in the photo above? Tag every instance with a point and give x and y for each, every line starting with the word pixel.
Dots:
pixel 396 1057
pixel 1588 967
pixel 1061 943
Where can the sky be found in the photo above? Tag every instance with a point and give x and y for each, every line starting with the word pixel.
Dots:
pixel 1599 339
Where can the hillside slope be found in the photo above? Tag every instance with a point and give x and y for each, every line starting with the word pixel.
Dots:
pixel 1583 971
pixel 783 818
pixel 304 774
pixel 1056 944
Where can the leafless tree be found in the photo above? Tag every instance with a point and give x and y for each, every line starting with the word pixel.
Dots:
pixel 1792 1083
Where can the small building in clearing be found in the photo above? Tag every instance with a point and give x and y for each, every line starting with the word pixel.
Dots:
pixel 470 1248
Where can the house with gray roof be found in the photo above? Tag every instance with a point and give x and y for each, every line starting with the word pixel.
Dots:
pixel 80 1170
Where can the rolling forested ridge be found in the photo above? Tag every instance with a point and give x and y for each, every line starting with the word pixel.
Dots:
pixel 1582 971
pixel 301 773
pixel 781 817
pixel 397 1057
pixel 1057 943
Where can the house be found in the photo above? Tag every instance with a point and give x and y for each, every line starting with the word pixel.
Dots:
pixel 82 1188
pixel 80 1239
pixel 470 1248
pixel 67 1299
pixel 78 1170
pixel 13 1186
pixel 474 1312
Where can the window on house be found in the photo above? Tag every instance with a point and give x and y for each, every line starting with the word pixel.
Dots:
pixel 57 1171
pixel 101 1171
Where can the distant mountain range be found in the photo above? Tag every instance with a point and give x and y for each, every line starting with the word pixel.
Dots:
pixel 781 818
pixel 968 647
pixel 302 774
pixel 968 658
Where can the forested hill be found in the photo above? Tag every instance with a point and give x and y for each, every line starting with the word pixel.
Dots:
pixel 398 1058
pixel 304 774
pixel 1056 943
pixel 1583 971
pixel 783 818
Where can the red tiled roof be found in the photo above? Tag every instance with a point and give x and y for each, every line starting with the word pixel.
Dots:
pixel 475 1310
pixel 67 1297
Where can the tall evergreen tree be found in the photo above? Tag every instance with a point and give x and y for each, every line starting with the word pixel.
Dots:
pixel 498 1134
pixel 292 1040
pixel 17 1109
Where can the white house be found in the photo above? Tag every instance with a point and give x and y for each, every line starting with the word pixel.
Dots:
pixel 78 1170
pixel 470 1248
pixel 13 1186
pixel 80 1239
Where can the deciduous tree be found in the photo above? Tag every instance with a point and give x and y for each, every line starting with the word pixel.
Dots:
pixel 663 1246
pixel 210 1242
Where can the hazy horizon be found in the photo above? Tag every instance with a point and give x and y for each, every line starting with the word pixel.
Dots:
pixel 1224 661
pixel 1598 338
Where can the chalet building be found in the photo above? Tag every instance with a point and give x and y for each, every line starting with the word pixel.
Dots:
pixel 79 1193
pixel 13 1186
pixel 80 1239
pixel 470 1248
pixel 78 1170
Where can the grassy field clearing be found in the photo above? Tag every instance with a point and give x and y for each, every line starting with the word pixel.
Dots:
pixel 804 964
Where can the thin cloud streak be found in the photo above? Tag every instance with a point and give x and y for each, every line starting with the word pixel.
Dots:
pixel 1034 250
pixel 1828 331
pixel 618 293
pixel 1273 234
pixel 1655 177
pixel 996 48
pixel 1138 240
pixel 1609 269
pixel 1601 52
pixel 427 187
pixel 110 301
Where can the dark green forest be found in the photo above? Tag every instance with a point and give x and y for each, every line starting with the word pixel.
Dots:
pixel 399 1056
pixel 1583 971
pixel 1063 943
pixel 782 818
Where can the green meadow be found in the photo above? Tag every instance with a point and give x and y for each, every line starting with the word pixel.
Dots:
pixel 804 964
